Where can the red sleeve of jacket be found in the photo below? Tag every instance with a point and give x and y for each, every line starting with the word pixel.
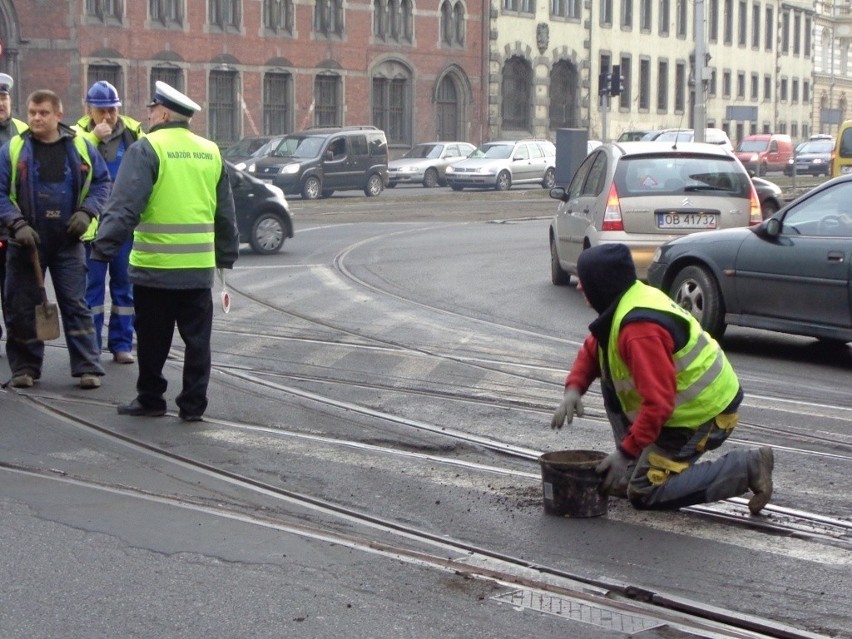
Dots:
pixel 647 350
pixel 585 369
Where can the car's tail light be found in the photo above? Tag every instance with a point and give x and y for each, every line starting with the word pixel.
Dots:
pixel 754 214
pixel 612 220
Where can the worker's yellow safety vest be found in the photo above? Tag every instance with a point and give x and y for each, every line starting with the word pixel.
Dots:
pixel 706 382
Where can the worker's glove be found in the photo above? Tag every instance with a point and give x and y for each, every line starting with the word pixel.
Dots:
pixel 78 223
pixel 615 466
pixel 24 235
pixel 571 403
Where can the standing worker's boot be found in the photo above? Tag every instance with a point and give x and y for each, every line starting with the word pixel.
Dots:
pixel 760 465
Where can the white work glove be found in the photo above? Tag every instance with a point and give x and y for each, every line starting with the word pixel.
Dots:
pixel 570 404
pixel 615 466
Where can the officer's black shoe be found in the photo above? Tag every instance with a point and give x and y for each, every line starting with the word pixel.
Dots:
pixel 137 409
pixel 189 418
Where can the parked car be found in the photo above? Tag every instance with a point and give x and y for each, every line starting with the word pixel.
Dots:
pixel 427 163
pixel 842 162
pixel 769 195
pixel 643 194
pixel 764 152
pixel 244 149
pixel 632 136
pixel 263 217
pixel 711 136
pixel 499 165
pixel 814 158
pixel 317 162
pixel 789 274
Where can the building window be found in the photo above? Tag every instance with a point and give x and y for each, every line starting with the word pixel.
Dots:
pixel 713 18
pixel 626 14
pixel 606 12
pixel 646 17
pixel 517 79
pixel 742 27
pixel 682 13
pixel 726 84
pixel 662 86
pixel 328 17
pixel 665 18
pixel 624 99
pixel 769 32
pixel 106 11
pixel 452 24
pixel 224 14
pixel 519 6
pixel 392 20
pixel 222 109
pixel 785 31
pixel 808 27
pixel 680 87
pixel 755 25
pixel 797 30
pixel 644 84
pixel 109 72
pixel 565 9
pixel 277 98
pixel 168 13
pixel 278 16
pixel 806 91
pixel 391 108
pixel 794 91
pixel 782 90
pixel 169 74
pixel 729 22
pixel 740 85
pixel 564 108
pixel 767 88
pixel 755 87
pixel 328 95
pixel 711 91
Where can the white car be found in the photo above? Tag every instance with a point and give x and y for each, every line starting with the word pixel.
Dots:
pixel 427 163
pixel 499 165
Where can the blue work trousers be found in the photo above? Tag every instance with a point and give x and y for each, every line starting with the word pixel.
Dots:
pixel 120 330
pixel 65 261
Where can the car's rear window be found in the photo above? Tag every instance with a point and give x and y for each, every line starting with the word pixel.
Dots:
pixel 678 174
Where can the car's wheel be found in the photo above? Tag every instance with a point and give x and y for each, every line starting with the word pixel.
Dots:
pixel 696 290
pixel 312 188
pixel 549 180
pixel 768 208
pixel 504 181
pixel 327 192
pixel 268 233
pixel 430 178
pixel 558 275
pixel 456 187
pixel 374 185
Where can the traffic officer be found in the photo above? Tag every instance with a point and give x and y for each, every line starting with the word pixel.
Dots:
pixel 9 127
pixel 669 392
pixel 173 194
pixel 112 134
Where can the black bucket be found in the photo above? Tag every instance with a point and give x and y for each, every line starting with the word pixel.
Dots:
pixel 571 485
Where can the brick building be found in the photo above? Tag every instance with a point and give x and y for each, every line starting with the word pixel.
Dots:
pixel 412 67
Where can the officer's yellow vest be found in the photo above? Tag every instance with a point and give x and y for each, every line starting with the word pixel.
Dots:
pixel 706 382
pixel 15 146
pixel 176 229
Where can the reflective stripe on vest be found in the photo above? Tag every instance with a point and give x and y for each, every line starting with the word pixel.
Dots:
pixel 185 192
pixel 16 144
pixel 705 380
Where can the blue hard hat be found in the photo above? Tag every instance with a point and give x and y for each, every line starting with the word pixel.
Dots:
pixel 102 94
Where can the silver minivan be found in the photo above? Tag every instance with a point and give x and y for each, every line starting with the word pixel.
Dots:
pixel 644 194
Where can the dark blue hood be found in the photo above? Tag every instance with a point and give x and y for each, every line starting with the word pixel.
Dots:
pixel 605 273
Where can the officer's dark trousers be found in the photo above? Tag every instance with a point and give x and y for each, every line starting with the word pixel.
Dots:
pixel 158 311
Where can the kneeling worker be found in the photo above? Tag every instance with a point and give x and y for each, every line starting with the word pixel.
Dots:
pixel 669 392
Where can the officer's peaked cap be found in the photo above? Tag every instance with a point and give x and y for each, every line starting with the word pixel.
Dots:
pixel 173 100
pixel 6 83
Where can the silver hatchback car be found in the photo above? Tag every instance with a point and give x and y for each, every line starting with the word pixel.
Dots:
pixel 644 194
pixel 499 165
pixel 426 163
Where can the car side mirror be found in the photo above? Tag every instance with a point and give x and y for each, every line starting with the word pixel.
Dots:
pixel 772 227
pixel 559 193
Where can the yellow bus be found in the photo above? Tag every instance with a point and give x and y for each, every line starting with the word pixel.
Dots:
pixel 841 162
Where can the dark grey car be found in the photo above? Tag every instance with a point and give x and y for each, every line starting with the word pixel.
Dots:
pixel 792 273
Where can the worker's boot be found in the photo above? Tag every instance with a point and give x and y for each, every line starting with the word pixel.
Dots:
pixel 760 465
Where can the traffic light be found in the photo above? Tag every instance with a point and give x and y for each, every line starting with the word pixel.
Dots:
pixel 603 83
pixel 616 81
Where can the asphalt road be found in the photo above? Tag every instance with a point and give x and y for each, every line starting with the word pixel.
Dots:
pixel 380 392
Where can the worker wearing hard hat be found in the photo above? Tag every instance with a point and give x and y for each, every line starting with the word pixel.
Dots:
pixel 9 127
pixel 112 134
pixel 174 195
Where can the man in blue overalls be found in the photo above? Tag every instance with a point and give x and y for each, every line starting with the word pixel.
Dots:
pixel 111 134
pixel 52 184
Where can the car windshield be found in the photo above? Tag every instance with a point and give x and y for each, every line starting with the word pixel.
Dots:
pixel 753 146
pixel 680 175
pixel 818 146
pixel 493 151
pixel 298 147
pixel 430 151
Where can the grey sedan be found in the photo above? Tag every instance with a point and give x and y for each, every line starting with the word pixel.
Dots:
pixel 790 274
pixel 427 163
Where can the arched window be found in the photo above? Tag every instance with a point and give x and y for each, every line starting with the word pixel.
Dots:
pixel 564 96
pixel 458 23
pixel 449 109
pixel 516 90
pixel 446 22
pixel 379 18
pixel 452 23
pixel 392 101
pixel 328 17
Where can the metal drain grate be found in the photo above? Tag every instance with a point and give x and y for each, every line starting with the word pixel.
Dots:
pixel 575 610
